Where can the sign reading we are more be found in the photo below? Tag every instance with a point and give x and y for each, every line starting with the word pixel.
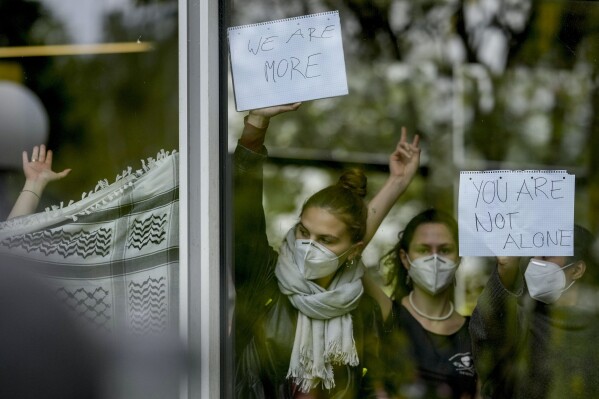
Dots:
pixel 287 60
pixel 516 213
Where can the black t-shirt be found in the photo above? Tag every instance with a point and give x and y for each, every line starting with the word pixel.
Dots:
pixel 422 364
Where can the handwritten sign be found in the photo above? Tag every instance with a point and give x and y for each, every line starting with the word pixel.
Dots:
pixel 516 213
pixel 286 61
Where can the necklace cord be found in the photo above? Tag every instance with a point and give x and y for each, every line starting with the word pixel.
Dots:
pixel 434 318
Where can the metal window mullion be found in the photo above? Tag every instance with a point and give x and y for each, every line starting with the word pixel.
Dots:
pixel 200 220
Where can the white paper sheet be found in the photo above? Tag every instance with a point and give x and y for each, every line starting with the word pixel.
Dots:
pixel 287 60
pixel 516 213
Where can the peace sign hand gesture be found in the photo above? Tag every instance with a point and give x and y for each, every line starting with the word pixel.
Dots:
pixel 404 161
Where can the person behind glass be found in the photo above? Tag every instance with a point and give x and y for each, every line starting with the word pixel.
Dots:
pixel 38 173
pixel 534 333
pixel 427 350
pixel 301 321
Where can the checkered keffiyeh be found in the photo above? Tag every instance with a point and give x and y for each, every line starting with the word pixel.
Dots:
pixel 113 256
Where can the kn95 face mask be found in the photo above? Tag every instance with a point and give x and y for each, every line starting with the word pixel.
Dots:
pixel 546 281
pixel 432 273
pixel 315 259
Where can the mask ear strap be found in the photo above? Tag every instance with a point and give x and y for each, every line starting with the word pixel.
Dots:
pixel 570 285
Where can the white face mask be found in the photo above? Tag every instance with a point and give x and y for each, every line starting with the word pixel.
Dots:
pixel 432 273
pixel 546 281
pixel 316 260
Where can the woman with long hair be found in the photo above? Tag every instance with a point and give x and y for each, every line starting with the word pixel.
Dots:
pixel 427 350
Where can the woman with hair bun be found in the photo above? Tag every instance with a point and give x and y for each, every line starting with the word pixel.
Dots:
pixel 428 351
pixel 301 320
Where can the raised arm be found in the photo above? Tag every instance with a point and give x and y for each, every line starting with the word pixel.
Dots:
pixel 494 326
pixel 254 258
pixel 38 173
pixel 403 165
pixel 253 254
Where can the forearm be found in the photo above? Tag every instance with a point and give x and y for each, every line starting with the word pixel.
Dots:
pixel 494 326
pixel 381 204
pixel 252 250
pixel 28 199
pixel 508 269
pixel 494 304
pixel 254 132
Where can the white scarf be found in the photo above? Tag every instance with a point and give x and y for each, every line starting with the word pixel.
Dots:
pixel 324 334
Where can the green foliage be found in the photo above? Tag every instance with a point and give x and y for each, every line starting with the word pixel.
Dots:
pixel 425 65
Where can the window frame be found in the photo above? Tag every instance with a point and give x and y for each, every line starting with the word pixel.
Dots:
pixel 202 165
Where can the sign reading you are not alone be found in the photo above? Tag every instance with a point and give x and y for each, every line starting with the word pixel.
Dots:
pixel 287 60
pixel 516 213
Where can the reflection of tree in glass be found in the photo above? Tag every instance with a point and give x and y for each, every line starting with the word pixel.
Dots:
pixel 127 104
pixel 487 84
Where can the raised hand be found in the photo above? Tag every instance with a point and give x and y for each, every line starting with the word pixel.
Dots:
pixel 253 139
pixel 508 268
pixel 404 161
pixel 269 112
pixel 403 165
pixel 260 117
pixel 39 169
pixel 38 173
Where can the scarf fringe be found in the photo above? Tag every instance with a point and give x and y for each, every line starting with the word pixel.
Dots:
pixel 334 354
pixel 60 210
pixel 306 377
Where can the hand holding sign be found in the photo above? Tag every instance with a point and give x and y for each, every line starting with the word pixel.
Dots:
pixel 516 213
pixel 287 61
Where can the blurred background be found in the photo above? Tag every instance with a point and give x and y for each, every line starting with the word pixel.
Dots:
pixel 94 80
pixel 488 84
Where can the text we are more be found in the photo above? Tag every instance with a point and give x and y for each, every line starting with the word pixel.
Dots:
pixel 292 67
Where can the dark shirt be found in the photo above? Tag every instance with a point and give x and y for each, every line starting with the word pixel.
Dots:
pixel 527 349
pixel 421 364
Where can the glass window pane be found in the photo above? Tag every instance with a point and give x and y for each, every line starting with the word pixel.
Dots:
pixel 97 83
pixel 487 85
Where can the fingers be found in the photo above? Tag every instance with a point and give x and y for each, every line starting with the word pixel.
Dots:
pixel 49 157
pixel 404 139
pixel 38 154
pixel 35 154
pixel 63 173
pixel 416 141
pixel 290 107
pixel 269 112
pixel 405 152
pixel 42 154
pixel 25 158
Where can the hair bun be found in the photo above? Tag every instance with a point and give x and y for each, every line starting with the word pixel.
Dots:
pixel 355 181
